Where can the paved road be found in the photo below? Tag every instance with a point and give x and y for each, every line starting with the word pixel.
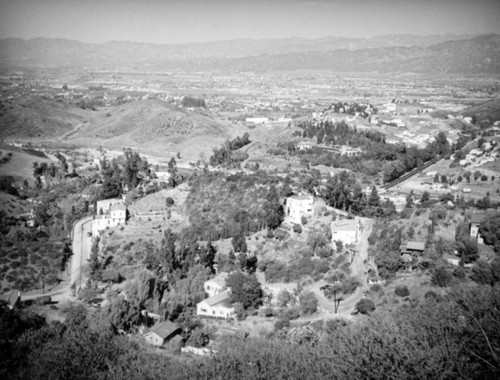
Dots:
pixel 82 244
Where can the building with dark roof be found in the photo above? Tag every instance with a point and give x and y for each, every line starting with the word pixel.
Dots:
pixel 162 333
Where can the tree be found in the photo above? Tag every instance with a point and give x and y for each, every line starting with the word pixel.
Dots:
pixel 482 273
pixel 122 314
pixel 409 200
pixel 374 199
pixel 245 289
pixel 274 209
pixel 239 242
pixel 441 277
pixel 490 230
pixel 172 169
pixel 308 303
pixel 468 250
pixel 365 306
pixel 284 298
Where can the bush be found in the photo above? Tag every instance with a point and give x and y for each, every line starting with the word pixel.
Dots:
pixel 365 306
pixel 281 324
pixel 291 313
pixel 297 228
pixel 169 201
pixel 441 277
pixel 402 291
pixel 308 303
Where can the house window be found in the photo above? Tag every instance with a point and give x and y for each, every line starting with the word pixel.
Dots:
pixel 213 312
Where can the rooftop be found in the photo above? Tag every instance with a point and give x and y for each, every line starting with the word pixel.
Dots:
pixel 164 329
pixel 220 279
pixel 222 297
pixel 477 218
pixel 345 225
pixel 415 245
pixel 302 197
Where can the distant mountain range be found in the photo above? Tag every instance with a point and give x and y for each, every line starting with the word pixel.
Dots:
pixel 391 53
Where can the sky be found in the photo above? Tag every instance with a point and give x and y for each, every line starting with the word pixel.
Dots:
pixel 184 21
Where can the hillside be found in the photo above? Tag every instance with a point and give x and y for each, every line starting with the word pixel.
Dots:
pixel 37 117
pixel 393 53
pixel 151 124
pixel 487 111
pixel 20 165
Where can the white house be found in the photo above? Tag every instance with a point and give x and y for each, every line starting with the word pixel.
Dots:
pixel 349 151
pixel 257 120
pixel 304 145
pixel 216 285
pixel 110 213
pixel 298 206
pixel 345 230
pixel 217 306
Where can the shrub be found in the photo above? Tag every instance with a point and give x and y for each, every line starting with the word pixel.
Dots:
pixel 375 288
pixel 441 277
pixel 308 303
pixel 365 306
pixel 291 313
pixel 297 228
pixel 281 323
pixel 402 291
pixel 169 201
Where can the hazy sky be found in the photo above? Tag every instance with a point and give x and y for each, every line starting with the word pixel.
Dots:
pixel 179 21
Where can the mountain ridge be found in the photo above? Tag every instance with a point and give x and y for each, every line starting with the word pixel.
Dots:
pixel 393 53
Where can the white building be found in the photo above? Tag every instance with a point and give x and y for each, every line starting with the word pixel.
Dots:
pixel 349 151
pixel 345 230
pixel 217 306
pixel 257 120
pixel 298 206
pixel 110 213
pixel 216 285
pixel 304 145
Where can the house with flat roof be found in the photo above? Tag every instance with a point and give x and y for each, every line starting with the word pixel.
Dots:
pixel 345 230
pixel 298 206
pixel 109 213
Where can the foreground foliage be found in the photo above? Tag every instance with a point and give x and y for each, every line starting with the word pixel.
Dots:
pixel 455 337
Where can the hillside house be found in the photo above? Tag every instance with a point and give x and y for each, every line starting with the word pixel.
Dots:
pixel 345 230
pixel 350 151
pixel 110 213
pixel 162 333
pixel 475 221
pixel 257 120
pixel 304 145
pixel 216 285
pixel 299 206
pixel 217 306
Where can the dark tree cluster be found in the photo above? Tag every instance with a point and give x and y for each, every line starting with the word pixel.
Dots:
pixel 191 102
pixel 227 154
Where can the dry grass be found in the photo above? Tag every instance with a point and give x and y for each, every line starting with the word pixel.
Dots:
pixel 20 166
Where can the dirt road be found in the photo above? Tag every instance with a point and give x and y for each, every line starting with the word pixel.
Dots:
pixel 326 306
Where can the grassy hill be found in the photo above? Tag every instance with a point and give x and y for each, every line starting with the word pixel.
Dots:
pixel 488 111
pixel 152 124
pixel 35 117
pixel 20 165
